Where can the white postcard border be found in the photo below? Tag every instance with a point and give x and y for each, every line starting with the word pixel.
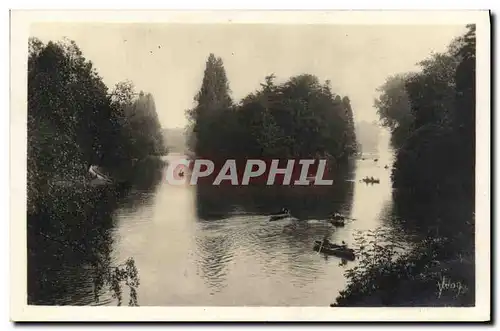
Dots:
pixel 20 311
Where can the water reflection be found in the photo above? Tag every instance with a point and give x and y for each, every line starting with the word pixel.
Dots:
pixel 65 245
pixel 450 217
pixel 305 202
pixel 70 243
pixel 215 252
pixel 236 239
pixel 209 245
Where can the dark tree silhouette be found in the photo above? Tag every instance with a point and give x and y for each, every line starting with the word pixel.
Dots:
pixel 299 118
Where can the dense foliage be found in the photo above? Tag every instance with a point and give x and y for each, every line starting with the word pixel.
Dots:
pixel 299 118
pixel 389 274
pixel 73 121
pixel 393 108
pixel 431 114
pixel 436 162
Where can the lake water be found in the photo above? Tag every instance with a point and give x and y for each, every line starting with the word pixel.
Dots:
pixel 205 245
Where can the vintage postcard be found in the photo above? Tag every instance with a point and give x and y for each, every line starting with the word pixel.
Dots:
pixel 250 166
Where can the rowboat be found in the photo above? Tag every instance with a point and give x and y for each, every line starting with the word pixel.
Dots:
pixel 334 249
pixel 370 180
pixel 338 219
pixel 337 222
pixel 284 213
pixel 98 175
pixel 279 217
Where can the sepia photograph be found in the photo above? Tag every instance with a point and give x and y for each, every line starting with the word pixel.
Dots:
pixel 199 162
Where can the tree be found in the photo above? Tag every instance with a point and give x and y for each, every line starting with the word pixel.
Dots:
pixel 435 165
pixel 432 91
pixel 137 125
pixel 394 109
pixel 212 99
pixel 67 109
pixel 299 118
pixel 214 93
pixel 433 178
pixel 351 146
pixel 73 121
pixel 464 120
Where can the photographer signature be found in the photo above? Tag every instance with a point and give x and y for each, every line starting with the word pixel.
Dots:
pixel 447 285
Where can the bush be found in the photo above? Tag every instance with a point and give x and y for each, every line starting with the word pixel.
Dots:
pixel 389 274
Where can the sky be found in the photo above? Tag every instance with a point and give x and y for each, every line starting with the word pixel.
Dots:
pixel 168 60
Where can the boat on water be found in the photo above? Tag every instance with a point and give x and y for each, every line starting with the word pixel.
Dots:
pixel 284 213
pixel 278 217
pixel 371 180
pixel 338 219
pixel 337 222
pixel 333 249
pixel 98 175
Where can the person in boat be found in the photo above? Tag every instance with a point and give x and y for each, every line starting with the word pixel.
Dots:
pixel 326 242
pixel 338 217
pixel 281 212
pixel 344 245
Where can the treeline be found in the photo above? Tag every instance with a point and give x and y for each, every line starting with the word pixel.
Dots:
pixel 75 121
pixel 431 115
pixel 301 118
